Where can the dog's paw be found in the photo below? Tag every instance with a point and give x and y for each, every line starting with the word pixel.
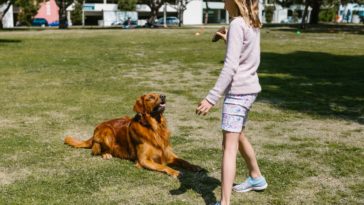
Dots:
pixel 176 174
pixel 138 165
pixel 106 156
pixel 180 175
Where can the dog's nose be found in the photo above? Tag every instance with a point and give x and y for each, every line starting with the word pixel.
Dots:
pixel 163 97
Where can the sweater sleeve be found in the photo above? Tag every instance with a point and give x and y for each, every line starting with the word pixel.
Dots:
pixel 231 62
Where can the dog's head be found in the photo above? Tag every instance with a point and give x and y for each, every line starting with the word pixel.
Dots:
pixel 151 103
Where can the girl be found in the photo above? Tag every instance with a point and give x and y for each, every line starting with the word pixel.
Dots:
pixel 239 82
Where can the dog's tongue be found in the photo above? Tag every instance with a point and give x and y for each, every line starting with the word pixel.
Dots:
pixel 162 104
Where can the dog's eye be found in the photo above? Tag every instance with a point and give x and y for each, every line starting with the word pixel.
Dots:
pixel 151 97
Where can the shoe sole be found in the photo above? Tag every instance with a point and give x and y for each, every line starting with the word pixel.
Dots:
pixel 259 188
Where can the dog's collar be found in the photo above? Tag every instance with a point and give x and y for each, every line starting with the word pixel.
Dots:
pixel 139 118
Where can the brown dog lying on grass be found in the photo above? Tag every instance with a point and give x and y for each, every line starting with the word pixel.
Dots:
pixel 143 139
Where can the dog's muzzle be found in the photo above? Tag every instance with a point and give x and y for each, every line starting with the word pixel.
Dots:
pixel 161 106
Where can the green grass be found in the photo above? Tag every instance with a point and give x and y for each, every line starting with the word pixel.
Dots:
pixel 306 127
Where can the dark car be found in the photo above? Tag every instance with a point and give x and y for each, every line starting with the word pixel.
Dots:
pixel 39 22
pixel 54 23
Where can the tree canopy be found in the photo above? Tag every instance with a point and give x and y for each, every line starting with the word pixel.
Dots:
pixel 26 13
pixel 63 5
pixel 154 6
pixel 127 5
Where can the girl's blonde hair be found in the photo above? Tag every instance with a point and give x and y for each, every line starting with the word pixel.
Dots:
pixel 248 9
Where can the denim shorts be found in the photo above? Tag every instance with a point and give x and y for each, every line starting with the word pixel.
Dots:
pixel 235 111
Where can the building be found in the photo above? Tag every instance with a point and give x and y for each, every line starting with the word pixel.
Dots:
pixel 105 13
pixel 292 14
pixel 49 11
pixel 351 13
pixel 8 20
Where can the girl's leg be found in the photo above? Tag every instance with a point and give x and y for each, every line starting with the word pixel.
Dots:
pixel 228 166
pixel 247 151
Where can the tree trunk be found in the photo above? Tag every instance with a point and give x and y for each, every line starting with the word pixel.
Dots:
pixel 63 16
pixel 153 15
pixel 154 11
pixel 206 13
pixel 314 18
pixel 303 22
pixel 180 17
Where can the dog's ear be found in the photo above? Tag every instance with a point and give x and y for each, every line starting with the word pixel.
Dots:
pixel 139 105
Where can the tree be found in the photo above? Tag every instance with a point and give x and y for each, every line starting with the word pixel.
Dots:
pixel 63 5
pixel 154 6
pixel 206 18
pixel 127 5
pixel 62 12
pixel 305 13
pixel 269 11
pixel 181 7
pixel 76 14
pixel 314 4
pixel 27 9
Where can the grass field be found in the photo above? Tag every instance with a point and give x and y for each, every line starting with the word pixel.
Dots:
pixel 307 126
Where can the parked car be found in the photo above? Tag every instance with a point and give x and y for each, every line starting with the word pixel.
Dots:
pixel 116 23
pixel 130 24
pixel 170 20
pixel 39 22
pixel 54 23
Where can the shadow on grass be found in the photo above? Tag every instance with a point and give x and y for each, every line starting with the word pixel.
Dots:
pixel 9 41
pixel 319 28
pixel 315 83
pixel 200 183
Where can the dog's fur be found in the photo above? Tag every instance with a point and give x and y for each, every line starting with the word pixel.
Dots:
pixel 143 139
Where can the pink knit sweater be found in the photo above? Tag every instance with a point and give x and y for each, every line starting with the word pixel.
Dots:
pixel 239 74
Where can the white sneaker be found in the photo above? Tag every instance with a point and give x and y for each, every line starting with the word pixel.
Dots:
pixel 257 184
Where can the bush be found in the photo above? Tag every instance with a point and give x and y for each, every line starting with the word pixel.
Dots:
pixel 76 14
pixel 295 16
pixel 269 11
pixel 327 15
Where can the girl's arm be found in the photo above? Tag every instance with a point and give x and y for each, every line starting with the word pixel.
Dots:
pixel 232 59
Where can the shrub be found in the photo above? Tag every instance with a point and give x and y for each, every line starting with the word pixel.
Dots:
pixel 327 15
pixel 76 14
pixel 269 11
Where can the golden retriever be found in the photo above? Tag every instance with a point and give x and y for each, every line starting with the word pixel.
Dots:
pixel 143 139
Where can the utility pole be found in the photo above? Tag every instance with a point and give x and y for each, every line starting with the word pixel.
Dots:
pixel 165 15
pixel 83 13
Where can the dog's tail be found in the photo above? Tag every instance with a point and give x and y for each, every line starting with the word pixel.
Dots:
pixel 78 143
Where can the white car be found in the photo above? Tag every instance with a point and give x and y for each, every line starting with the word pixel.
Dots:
pixel 170 20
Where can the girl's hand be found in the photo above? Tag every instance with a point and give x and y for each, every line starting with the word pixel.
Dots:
pixel 204 107
pixel 222 34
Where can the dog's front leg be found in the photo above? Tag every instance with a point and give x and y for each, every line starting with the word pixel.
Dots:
pixel 150 164
pixel 145 154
